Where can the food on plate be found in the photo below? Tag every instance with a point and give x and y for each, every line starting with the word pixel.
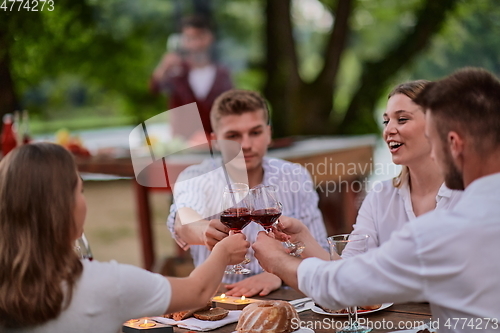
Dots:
pixel 212 314
pixel 181 315
pixel 72 143
pixel 360 308
pixel 369 307
pixel 268 316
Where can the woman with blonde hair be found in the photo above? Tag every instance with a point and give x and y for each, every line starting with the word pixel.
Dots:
pixel 418 189
pixel 45 287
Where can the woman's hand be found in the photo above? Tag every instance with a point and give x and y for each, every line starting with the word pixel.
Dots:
pixel 234 247
pixel 289 228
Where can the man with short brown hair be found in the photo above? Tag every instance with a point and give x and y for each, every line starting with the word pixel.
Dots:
pixel 189 74
pixel 240 118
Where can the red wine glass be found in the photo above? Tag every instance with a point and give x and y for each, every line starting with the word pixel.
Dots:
pixel 235 214
pixel 82 248
pixel 266 210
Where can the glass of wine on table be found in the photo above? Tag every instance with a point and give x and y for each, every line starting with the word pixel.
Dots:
pixel 266 210
pixel 235 214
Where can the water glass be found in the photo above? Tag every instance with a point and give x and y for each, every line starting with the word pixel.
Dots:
pixel 357 244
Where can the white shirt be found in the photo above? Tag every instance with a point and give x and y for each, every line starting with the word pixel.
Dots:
pixel 107 295
pixel 387 209
pixel 446 257
pixel 201 80
pixel 295 191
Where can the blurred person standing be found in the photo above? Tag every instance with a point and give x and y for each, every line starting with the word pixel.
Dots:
pixel 190 74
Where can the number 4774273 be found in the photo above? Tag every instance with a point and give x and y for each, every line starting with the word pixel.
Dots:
pixel 27 5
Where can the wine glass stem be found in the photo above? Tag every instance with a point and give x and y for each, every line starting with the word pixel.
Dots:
pixel 352 312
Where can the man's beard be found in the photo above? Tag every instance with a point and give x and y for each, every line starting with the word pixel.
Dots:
pixel 453 178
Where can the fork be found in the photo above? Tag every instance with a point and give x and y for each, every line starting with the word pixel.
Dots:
pixel 302 303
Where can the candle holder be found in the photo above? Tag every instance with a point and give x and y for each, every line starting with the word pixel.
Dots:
pixel 242 300
pixel 221 298
pixel 231 302
pixel 136 325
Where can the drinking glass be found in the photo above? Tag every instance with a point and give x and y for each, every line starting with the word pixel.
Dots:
pixel 266 210
pixel 235 214
pixel 357 243
pixel 82 248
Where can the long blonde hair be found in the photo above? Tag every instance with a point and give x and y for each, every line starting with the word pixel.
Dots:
pixel 410 89
pixel 38 265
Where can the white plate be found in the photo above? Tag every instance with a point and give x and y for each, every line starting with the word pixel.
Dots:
pixel 318 310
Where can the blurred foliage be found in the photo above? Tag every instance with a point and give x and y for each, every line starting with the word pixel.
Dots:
pixel 88 53
pixel 93 58
pixel 469 39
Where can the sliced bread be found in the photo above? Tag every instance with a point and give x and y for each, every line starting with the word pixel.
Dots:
pixel 212 314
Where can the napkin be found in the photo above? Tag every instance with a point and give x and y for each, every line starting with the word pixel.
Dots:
pixel 305 301
pixel 201 325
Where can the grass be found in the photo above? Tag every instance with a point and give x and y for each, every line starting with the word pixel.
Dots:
pixel 39 126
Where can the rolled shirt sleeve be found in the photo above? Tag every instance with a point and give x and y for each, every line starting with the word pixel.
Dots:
pixel 390 273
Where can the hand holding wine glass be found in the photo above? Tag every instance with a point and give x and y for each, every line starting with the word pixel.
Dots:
pixel 214 232
pixel 234 247
pixel 266 210
pixel 235 214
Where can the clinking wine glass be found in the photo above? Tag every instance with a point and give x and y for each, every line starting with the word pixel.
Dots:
pixel 82 248
pixel 266 210
pixel 236 216
pixel 356 244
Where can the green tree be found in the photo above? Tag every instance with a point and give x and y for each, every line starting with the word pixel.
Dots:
pixel 108 46
pixel 307 107
pixel 469 38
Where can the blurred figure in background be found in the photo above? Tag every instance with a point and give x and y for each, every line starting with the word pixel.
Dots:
pixel 188 74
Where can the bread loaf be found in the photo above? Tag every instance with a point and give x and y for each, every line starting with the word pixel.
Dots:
pixel 268 317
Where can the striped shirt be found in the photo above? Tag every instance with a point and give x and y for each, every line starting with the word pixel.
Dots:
pixel 200 188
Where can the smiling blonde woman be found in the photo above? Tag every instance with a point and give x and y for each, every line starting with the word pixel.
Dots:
pixel 419 188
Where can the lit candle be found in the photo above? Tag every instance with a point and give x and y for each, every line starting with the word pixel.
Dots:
pixel 131 321
pixel 220 298
pixel 147 324
pixel 242 300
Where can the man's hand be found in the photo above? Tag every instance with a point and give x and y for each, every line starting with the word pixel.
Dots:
pixel 261 284
pixel 269 251
pixel 214 232
pixel 273 257
pixel 166 65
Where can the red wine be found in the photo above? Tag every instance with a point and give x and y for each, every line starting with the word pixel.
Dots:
pixel 266 217
pixel 236 218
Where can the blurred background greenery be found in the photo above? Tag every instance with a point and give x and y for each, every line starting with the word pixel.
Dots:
pixel 324 65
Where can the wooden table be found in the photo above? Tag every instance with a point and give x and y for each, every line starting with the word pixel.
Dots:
pixel 328 159
pixel 392 317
